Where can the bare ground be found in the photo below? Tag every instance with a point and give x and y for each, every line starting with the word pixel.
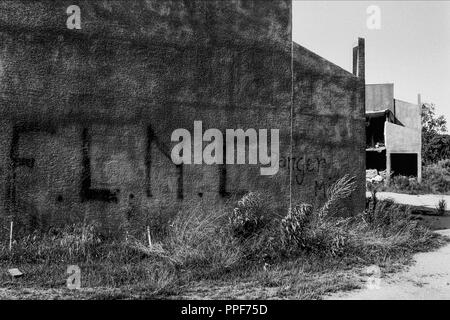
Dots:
pixel 427 278
pixel 315 287
pixel 429 201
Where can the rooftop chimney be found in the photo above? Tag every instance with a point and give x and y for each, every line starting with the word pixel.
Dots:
pixel 359 59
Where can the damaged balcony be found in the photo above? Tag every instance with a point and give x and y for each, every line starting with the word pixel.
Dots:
pixel 393 134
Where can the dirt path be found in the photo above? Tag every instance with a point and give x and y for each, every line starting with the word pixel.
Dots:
pixel 422 200
pixel 428 278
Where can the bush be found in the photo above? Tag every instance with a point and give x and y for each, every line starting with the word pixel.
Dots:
pixel 233 239
pixel 441 207
pixel 320 231
pixel 339 191
pixel 295 226
pixel 201 238
pixel 250 216
pixel 386 215
pixel 435 179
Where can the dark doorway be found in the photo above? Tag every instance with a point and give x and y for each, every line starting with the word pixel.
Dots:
pixel 404 164
pixel 375 131
pixel 376 160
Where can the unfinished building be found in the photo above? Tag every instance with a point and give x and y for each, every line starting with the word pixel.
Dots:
pixel 393 133
pixel 87 114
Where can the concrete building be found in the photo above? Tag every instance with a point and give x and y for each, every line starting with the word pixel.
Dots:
pixel 327 126
pixel 394 136
pixel 87 114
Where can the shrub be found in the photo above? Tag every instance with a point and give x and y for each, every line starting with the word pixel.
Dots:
pixel 339 191
pixel 387 213
pixel 441 207
pixel 318 231
pixel 201 238
pixel 435 179
pixel 388 230
pixel 401 183
pixel 294 226
pixel 232 240
pixel 250 216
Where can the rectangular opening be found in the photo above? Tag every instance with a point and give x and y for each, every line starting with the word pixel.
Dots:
pixel 404 164
pixel 375 131
pixel 376 160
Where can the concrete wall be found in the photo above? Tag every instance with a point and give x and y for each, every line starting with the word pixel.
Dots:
pixel 179 22
pixel 380 97
pixel 406 137
pixel 87 115
pixel 403 136
pixel 329 128
pixel 408 114
pixel 400 139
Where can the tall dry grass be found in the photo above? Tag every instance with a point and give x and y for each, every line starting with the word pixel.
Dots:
pixel 239 238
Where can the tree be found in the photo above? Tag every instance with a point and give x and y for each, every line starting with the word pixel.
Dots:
pixel 435 143
pixel 438 148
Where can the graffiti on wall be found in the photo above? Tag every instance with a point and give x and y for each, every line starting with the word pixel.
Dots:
pixel 306 167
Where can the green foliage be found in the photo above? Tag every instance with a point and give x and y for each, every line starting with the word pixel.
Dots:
pixel 250 215
pixel 441 207
pixel 222 243
pixel 408 184
pixel 200 238
pixel 318 231
pixel 339 191
pixel 294 226
pixel 435 180
pixel 436 148
pixel 435 145
pixel 386 214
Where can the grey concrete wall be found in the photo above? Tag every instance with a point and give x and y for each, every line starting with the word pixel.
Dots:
pixel 405 135
pixel 380 97
pixel 87 114
pixel 401 139
pixel 408 114
pixel 179 22
pixel 329 128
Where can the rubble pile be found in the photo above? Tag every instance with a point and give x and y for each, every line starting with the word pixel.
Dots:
pixel 373 176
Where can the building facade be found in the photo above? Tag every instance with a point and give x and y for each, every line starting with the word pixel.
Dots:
pixel 87 114
pixel 394 133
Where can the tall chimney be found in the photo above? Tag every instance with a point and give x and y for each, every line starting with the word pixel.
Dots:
pixel 359 59
pixel 355 61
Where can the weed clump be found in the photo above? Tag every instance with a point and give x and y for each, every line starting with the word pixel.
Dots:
pixel 249 216
pixel 241 237
pixel 441 207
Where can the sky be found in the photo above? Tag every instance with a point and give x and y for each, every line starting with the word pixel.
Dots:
pixel 411 49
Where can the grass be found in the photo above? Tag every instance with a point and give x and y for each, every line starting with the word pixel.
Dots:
pixel 435 180
pixel 249 249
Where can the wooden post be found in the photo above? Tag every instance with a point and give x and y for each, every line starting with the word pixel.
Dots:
pixel 10 236
pixel 419 153
pixel 149 238
pixel 388 168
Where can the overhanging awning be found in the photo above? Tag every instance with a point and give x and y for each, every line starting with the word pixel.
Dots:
pixel 378 113
pixel 378 149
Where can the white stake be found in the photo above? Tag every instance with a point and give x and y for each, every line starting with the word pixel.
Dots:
pixel 149 238
pixel 10 236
